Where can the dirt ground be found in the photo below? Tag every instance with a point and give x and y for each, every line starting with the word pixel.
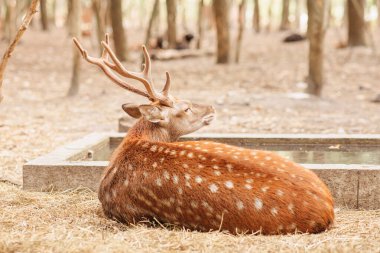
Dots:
pixel 260 95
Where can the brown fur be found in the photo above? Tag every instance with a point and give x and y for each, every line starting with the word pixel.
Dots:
pixel 151 177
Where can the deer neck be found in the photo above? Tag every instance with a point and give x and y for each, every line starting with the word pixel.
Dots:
pixel 146 130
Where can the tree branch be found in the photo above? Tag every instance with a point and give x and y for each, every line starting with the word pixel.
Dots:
pixel 8 53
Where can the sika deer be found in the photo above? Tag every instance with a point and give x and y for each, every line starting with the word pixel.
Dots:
pixel 201 185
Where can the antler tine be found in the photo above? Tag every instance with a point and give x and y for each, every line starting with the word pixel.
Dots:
pixel 107 41
pixel 165 90
pixel 119 68
pixel 100 62
pixel 147 64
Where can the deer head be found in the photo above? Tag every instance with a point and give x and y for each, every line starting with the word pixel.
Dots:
pixel 172 116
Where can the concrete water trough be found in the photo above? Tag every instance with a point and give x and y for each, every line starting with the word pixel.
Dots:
pixel 348 164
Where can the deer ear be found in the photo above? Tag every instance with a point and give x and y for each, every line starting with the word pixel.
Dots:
pixel 132 110
pixel 152 113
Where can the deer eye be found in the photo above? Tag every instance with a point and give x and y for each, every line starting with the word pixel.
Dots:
pixel 188 109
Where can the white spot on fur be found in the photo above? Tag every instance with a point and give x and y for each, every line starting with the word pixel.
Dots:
pixel 175 179
pixel 166 175
pixel 217 172
pixel 183 152
pixel 239 205
pixel 265 188
pixel 216 167
pixel 291 208
pixel 258 204
pixel 213 188
pixel 248 186
pixel 200 166
pixel 153 148
pixel 158 182
pixel 126 182
pixel 187 176
pixel 198 179
pixel 185 166
pixel 274 211
pixel 279 193
pixel 268 158
pixel 190 155
pixel 194 204
pixel 180 191
pixel 229 184
pixel 160 149
pixel 249 181
pixel 173 152
pixel 130 167
pixel 154 165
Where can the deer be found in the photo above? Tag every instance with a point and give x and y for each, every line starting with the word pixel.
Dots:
pixel 200 185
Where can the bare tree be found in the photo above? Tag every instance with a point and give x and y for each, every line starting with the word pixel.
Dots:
pixel 256 16
pixel 153 17
pixel 378 12
pixel 200 23
pixel 285 15
pixel 10 19
pixel 75 29
pixel 241 22
pixel 356 23
pixel 100 26
pixel 171 7
pixel 317 11
pixel 44 15
pixel 119 38
pixel 221 14
pixel 298 14
pixel 8 52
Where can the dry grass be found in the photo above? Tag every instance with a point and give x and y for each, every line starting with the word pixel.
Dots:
pixel 36 117
pixel 73 222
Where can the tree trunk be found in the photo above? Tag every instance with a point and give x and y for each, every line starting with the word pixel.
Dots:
pixel 200 23
pixel 153 17
pixel 241 22
pixel 172 27
pixel 44 15
pixel 298 14
pixel 10 20
pixel 100 29
pixel 256 16
pixel 285 15
pixel 75 22
pixel 356 23
pixel 54 12
pixel 221 14
pixel 119 38
pixel 269 25
pixel 378 12
pixel 317 11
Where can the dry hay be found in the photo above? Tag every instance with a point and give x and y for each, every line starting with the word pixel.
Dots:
pixel 72 221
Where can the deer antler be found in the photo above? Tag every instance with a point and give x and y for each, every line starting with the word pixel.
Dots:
pixel 144 77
